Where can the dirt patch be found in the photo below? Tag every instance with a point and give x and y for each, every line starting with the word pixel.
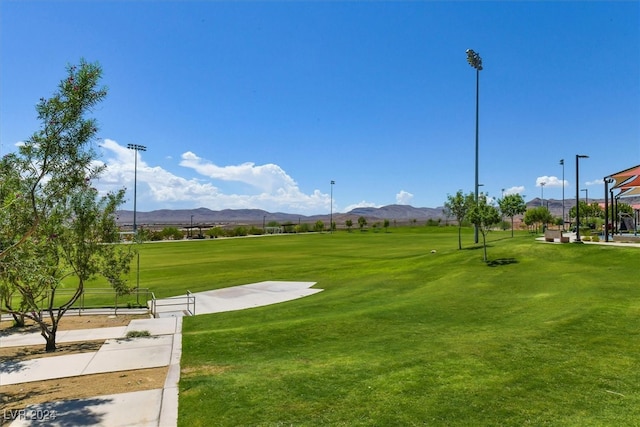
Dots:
pixel 72 322
pixel 18 396
pixel 38 351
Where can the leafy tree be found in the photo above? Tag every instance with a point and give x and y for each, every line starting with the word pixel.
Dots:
pixel 172 233
pixel 538 216
pixel 458 206
pixel 255 231
pixel 588 212
pixel 239 231
pixel 349 224
pixel 362 222
pixel 385 224
pixel 53 224
pixel 319 226
pixel 621 208
pixel 215 232
pixel 512 205
pixel 484 216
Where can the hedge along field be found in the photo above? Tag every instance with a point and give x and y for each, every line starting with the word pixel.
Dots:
pixel 547 334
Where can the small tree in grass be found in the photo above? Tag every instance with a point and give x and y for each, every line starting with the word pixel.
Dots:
pixel 538 216
pixel 349 224
pixel 484 216
pixel 55 230
pixel 458 206
pixel 362 221
pixel 512 205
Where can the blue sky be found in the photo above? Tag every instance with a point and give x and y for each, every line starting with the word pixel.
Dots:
pixel 263 104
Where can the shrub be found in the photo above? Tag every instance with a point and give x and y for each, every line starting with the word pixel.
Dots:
pixel 215 232
pixel 434 222
pixel 239 231
pixel 138 334
pixel 255 231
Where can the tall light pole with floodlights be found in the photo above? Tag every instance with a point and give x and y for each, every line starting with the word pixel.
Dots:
pixel 578 157
pixel 331 211
pixel 474 59
pixel 542 184
pixel 562 164
pixel 136 148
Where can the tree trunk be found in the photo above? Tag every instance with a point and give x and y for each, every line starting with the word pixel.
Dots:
pixel 49 334
pixel 484 244
pixel 18 320
pixel 51 343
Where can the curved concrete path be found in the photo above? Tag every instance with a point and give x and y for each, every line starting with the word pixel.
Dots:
pixel 152 408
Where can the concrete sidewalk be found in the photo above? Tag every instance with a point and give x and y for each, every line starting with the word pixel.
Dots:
pixel 239 297
pixel 152 408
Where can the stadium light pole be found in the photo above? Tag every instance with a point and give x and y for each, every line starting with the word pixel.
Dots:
pixel 586 195
pixel 474 59
pixel 562 164
pixel 578 157
pixel 136 148
pixel 542 184
pixel 331 211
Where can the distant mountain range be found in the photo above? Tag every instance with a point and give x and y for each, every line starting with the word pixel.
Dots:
pixel 398 213
pixel 259 216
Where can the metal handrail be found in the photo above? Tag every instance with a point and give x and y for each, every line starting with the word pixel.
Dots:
pixel 81 304
pixel 168 302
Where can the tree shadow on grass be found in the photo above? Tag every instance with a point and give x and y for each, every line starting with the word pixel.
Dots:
pixel 501 261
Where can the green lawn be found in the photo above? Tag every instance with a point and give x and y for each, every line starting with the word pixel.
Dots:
pixel 547 334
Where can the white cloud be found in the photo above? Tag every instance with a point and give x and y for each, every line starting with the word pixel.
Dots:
pixel 514 190
pixel 403 197
pixel 158 188
pixel 268 178
pixel 595 182
pixel 550 181
pixel 362 204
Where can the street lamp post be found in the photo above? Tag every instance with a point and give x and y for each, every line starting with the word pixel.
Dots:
pixel 542 184
pixel 562 164
pixel 474 59
pixel 136 148
pixel 578 157
pixel 331 211
pixel 586 191
pixel 607 207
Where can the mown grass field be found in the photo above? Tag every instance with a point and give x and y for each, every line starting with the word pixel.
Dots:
pixel 544 335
